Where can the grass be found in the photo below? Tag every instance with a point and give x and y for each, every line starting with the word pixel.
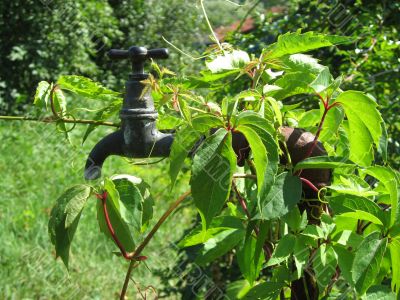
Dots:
pixel 37 164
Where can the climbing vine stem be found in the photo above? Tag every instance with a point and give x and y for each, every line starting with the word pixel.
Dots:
pixel 147 239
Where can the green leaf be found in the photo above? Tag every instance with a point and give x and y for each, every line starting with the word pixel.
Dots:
pixel 394 247
pixel 364 125
pixel 265 291
pixel 379 292
pixel 42 94
pixel 103 115
pixel 295 220
pixel 361 207
pixel 228 61
pixel 352 185
pixel 212 171
pixel 186 138
pixel 313 231
pixel 135 201
pixel 64 219
pixel 283 196
pixel 237 289
pixel 322 81
pixel 259 153
pixel 250 255
pixel 301 63
pixel 345 261
pixel 301 254
pixel 219 245
pixel 293 84
pixel 383 143
pixel 121 228
pixel 388 178
pixel 324 162
pixel 130 202
pixel 309 118
pixel 324 265
pixel 272 148
pixel 252 118
pixel 296 42
pixel 218 224
pixel 367 261
pixel 283 250
pixel 331 125
pixel 78 197
pixel 87 88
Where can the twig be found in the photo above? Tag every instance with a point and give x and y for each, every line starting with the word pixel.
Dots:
pixel 53 120
pixel 245 16
pixel 250 176
pixel 147 239
pixel 210 27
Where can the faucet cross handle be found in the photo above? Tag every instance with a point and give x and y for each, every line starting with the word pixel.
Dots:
pixel 138 56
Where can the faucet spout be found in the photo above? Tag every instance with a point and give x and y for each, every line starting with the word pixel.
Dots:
pixel 111 144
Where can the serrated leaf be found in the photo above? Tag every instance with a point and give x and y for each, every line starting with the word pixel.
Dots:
pixel 121 228
pixel 265 291
pixel 293 84
pixel 219 245
pixel 379 292
pixel 394 247
pixel 87 88
pixel 212 171
pixel 324 162
pixel 301 63
pixel 364 125
pixel 324 265
pixel 64 218
pixel 345 261
pixel 102 115
pixel 388 178
pixel 254 119
pixel 301 254
pixel 295 220
pixel 283 196
pixel 218 224
pixel 322 81
pixel 296 42
pixel 250 255
pixel 259 153
pixel 136 203
pixel 343 204
pixel 186 138
pixel 130 203
pixel 352 185
pixel 42 94
pixel 228 61
pixel 74 207
pixel 283 250
pixel 367 261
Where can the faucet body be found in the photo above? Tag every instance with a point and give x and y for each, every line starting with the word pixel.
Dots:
pixel 138 136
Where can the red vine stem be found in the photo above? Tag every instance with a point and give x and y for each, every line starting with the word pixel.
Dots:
pixel 243 204
pixel 327 107
pixel 309 184
pixel 103 198
pixel 147 239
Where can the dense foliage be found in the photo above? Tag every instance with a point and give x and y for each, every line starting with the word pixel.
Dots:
pixel 292 233
pixel 372 65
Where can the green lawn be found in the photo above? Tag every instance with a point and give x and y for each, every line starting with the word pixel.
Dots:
pixel 36 165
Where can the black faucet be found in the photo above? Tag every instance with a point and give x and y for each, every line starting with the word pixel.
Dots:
pixel 138 136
